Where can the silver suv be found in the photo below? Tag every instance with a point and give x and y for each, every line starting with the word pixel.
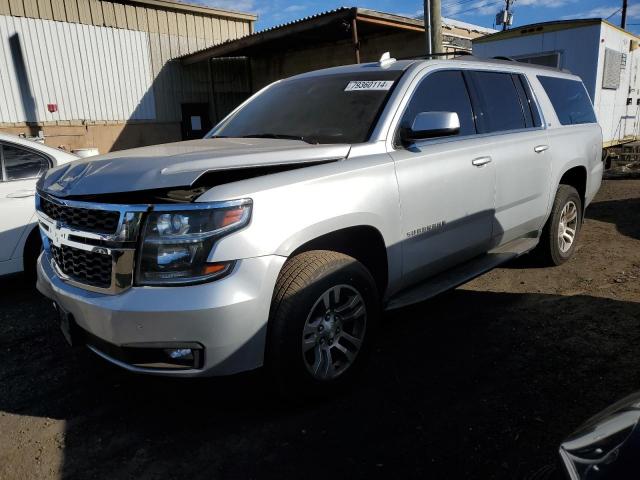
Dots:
pixel 318 202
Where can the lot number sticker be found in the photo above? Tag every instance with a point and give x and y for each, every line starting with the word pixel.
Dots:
pixel 369 85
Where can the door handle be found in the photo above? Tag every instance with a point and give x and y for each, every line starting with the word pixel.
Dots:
pixel 480 161
pixel 541 148
pixel 22 194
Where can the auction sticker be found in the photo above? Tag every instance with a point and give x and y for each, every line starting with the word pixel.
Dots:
pixel 369 85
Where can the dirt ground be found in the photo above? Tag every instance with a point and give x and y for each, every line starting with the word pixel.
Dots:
pixel 481 382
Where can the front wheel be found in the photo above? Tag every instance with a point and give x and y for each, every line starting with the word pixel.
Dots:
pixel 324 314
pixel 558 240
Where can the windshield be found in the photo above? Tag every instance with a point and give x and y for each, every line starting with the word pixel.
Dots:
pixel 340 108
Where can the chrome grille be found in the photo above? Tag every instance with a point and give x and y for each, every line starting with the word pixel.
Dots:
pixel 85 219
pixel 90 245
pixel 90 268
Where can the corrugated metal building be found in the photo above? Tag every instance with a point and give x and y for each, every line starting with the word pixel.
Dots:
pixel 102 73
pixel 337 37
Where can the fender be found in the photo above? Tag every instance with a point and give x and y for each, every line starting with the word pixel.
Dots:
pixel 573 146
pixel 293 207
pixel 556 184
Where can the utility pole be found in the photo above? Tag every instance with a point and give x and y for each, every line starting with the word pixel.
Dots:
pixel 505 24
pixel 427 26
pixel 433 26
pixel 623 20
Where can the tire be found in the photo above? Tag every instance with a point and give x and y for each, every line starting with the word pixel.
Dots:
pixel 323 301
pixel 552 250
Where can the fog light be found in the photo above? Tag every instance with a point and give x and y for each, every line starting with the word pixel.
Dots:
pixel 169 357
pixel 181 354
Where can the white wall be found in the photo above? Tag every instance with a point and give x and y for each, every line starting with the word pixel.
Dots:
pixel 617 119
pixel 92 73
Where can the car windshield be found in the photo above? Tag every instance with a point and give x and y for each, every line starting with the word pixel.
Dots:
pixel 339 108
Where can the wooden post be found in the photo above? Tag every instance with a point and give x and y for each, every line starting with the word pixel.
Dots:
pixel 356 40
pixel 427 26
pixel 436 26
pixel 433 26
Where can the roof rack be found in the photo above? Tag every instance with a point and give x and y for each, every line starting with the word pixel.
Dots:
pixel 511 59
pixel 435 55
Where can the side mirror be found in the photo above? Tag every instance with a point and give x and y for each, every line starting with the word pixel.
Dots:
pixel 430 125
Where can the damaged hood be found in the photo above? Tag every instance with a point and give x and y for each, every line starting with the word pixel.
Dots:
pixel 179 164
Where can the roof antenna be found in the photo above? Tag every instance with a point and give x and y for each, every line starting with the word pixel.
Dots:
pixel 386 59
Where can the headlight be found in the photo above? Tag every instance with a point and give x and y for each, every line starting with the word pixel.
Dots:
pixel 177 241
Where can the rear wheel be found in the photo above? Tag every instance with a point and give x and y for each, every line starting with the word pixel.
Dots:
pixel 558 240
pixel 324 315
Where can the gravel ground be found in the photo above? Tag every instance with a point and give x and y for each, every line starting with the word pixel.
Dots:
pixel 481 382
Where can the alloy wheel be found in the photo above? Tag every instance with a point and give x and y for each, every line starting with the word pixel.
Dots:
pixel 568 226
pixel 333 332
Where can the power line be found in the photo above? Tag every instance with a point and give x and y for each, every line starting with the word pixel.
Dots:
pixel 463 2
pixel 489 4
pixel 483 4
pixel 613 13
pixel 455 4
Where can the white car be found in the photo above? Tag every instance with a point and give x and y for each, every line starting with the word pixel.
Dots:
pixel 22 162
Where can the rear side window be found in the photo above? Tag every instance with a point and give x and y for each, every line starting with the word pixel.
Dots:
pixel 500 105
pixel 19 163
pixel 569 99
pixel 443 91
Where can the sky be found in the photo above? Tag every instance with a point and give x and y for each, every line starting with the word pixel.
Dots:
pixel 480 12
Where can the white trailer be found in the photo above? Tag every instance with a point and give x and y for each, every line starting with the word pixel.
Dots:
pixel 604 55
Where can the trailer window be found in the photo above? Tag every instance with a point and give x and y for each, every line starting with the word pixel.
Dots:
pixel 546 59
pixel 569 99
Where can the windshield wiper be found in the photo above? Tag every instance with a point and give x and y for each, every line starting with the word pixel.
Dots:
pixel 280 136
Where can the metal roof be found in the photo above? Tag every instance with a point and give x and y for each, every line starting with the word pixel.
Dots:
pixel 546 27
pixel 305 19
pixel 191 7
pixel 452 22
pixel 323 19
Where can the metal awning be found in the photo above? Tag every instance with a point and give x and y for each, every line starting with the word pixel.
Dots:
pixel 327 27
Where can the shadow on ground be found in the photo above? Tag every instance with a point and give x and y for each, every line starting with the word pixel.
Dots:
pixel 617 212
pixel 470 384
pixel 609 211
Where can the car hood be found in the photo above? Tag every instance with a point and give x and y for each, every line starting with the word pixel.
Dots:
pixel 179 164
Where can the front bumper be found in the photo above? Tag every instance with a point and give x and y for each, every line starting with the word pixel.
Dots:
pixel 227 317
